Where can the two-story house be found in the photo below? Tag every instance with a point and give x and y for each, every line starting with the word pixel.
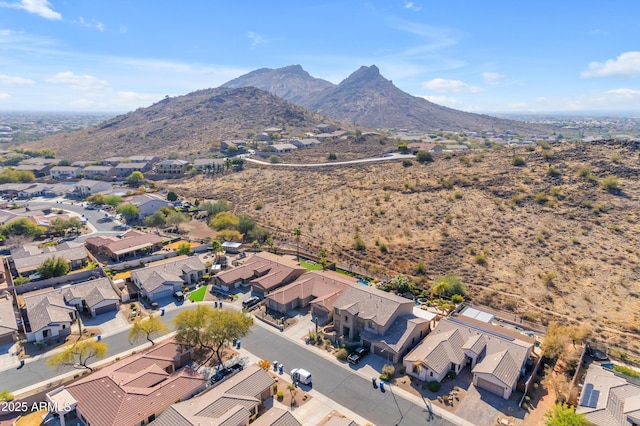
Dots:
pixel 65 172
pixel 385 323
pixel 172 167
pixel 98 172
pixel 123 170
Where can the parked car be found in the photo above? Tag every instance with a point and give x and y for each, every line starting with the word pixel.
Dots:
pixel 355 356
pixel 252 301
pixel 179 296
pixel 219 376
pixel 90 207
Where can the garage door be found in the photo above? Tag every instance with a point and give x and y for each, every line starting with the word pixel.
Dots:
pixel 491 387
pixel 107 308
pixel 162 294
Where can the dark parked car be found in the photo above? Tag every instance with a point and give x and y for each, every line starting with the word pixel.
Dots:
pixel 253 300
pixel 236 367
pixel 220 375
pixel 355 356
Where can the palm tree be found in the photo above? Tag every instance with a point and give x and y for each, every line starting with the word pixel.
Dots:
pixel 439 288
pixel 297 233
pixel 216 247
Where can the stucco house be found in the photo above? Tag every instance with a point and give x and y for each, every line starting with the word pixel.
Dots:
pixel 48 316
pixel 263 272
pixel 28 258
pixel 496 355
pixel 148 204
pixel 98 172
pixel 385 323
pixel 172 167
pixel 133 391
pixel 65 172
pixel 235 401
pixel 132 243
pixel 316 290
pixel 8 323
pixel 161 279
pixel 123 170
pixel 86 187
pixel 608 398
pixel 94 297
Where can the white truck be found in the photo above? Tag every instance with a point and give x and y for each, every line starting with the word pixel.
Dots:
pixel 301 376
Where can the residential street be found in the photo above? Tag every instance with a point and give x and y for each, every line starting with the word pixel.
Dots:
pixel 349 389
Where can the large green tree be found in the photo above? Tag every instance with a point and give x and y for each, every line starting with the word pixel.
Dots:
pixel 78 355
pixel 55 266
pixel 22 226
pixel 213 209
pixel 224 220
pixel 211 329
pixel 147 329
pixel 156 220
pixel 564 415
pixel 176 219
pixel 129 211
pixel 135 178
pixel 112 200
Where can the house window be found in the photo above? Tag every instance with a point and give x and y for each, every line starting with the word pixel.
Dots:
pixel 345 318
pixel 431 373
pixel 415 368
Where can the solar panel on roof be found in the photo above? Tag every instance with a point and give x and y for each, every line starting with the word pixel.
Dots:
pixel 589 396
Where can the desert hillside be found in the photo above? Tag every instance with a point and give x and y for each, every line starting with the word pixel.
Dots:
pixel 540 238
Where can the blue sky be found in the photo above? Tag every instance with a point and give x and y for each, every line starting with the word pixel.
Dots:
pixel 481 56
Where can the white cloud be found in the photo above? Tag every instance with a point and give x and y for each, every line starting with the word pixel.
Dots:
pixel 38 7
pixel 123 29
pixel 625 93
pixel 4 96
pixel 492 78
pixel 79 82
pixel 412 6
pixel 442 85
pixel 443 100
pixel 90 24
pixel 627 64
pixel 256 38
pixel 7 80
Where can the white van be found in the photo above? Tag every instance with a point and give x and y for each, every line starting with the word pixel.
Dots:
pixel 301 376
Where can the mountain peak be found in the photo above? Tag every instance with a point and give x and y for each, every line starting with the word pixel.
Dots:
pixel 365 74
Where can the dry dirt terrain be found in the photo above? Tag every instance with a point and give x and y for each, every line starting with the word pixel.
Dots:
pixel 544 240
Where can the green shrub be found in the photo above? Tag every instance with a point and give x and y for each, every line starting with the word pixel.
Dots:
pixel 342 354
pixel 610 183
pixel 388 372
pixel 424 157
pixel 456 298
pixel 332 156
pixel 280 395
pixel 452 374
pixel 434 386
pixel 481 259
pixel 626 371
pixel 518 161
pixel 553 171
pixel 407 163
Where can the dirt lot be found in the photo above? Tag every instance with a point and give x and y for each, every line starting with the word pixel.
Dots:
pixel 544 240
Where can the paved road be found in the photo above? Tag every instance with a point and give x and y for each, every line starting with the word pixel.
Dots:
pixel 95 217
pixel 386 157
pixel 351 390
pixel 348 388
